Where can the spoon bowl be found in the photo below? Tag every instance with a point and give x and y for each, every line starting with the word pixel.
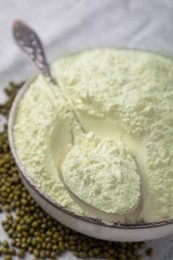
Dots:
pixel 106 177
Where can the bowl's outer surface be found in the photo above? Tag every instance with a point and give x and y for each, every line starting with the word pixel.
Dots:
pixel 89 226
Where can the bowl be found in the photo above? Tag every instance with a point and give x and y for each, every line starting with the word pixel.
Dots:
pixel 90 226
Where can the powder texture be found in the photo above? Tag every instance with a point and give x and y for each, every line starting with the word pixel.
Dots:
pixel 134 90
pixel 103 174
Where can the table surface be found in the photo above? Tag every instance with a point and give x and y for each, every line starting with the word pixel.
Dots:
pixel 71 25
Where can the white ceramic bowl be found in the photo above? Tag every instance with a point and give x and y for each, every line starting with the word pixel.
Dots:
pixel 86 225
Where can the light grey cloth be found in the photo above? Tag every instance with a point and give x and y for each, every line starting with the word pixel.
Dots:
pixel 71 25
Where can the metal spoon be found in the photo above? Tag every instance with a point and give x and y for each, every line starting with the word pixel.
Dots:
pixel 30 43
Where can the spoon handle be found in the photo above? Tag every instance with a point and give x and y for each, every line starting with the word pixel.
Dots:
pixel 30 43
pixel 28 40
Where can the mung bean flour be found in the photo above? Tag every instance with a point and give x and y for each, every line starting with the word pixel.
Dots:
pixel 120 96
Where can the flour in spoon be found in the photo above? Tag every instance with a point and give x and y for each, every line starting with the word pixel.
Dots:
pixel 103 174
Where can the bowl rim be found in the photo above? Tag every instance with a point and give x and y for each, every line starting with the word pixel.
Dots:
pixel 33 185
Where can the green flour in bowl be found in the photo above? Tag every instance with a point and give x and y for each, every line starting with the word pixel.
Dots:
pixel 122 96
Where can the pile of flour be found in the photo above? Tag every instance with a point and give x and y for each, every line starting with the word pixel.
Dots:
pixel 135 91
pixel 103 174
